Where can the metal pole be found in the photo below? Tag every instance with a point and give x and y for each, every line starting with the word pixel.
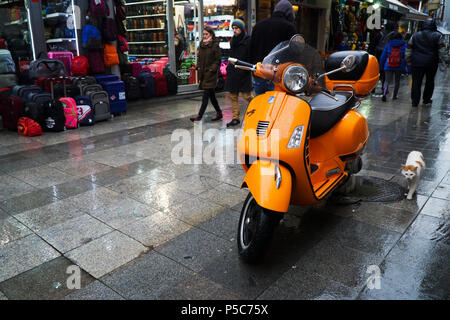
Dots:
pixel 170 36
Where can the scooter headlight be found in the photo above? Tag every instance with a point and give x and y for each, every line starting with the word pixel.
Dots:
pixel 296 79
pixel 296 138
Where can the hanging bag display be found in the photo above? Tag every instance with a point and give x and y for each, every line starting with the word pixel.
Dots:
pixel 95 58
pixel 110 56
pixel 98 7
pixel 91 38
pixel 109 29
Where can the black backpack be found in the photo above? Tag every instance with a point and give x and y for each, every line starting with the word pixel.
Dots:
pixel 109 29
pixel 54 118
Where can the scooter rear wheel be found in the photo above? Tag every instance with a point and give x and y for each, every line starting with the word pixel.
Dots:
pixel 256 227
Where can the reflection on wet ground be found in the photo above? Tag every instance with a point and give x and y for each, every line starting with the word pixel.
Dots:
pixel 109 199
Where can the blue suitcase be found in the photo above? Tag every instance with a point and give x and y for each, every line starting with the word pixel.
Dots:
pixel 117 97
pixel 147 83
pixel 39 98
pixel 106 77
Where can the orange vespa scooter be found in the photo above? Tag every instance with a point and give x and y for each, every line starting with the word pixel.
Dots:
pixel 302 140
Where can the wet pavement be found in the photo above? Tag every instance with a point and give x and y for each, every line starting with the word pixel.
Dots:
pixel 110 200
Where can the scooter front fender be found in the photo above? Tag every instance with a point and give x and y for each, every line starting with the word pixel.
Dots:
pixel 261 182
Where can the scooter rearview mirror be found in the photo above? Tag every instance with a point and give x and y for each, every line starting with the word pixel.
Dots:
pixel 349 63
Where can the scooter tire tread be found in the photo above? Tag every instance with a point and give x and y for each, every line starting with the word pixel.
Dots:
pixel 267 223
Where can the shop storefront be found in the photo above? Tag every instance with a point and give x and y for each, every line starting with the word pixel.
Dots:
pixel 349 18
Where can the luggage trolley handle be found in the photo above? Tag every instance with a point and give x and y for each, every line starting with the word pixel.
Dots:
pixel 52 80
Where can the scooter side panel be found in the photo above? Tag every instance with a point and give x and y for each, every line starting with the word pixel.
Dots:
pixel 348 136
pixel 261 182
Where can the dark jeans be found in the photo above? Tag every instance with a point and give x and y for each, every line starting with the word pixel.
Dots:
pixel 209 94
pixel 261 86
pixel 417 77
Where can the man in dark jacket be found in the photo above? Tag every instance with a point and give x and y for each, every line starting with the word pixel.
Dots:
pixel 267 34
pixel 423 52
pixel 238 81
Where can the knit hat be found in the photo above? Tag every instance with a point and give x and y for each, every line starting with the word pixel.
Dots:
pixel 285 7
pixel 239 22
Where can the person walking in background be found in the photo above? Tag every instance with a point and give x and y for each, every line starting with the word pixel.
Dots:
pixel 423 52
pixel 393 62
pixel 266 34
pixel 384 37
pixel 209 57
pixel 238 81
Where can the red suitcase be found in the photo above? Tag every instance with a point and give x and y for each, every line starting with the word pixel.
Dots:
pixel 10 109
pixel 160 84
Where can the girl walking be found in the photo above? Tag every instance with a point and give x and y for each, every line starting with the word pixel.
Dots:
pixel 209 57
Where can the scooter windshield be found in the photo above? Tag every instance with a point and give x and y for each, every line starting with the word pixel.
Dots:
pixel 295 51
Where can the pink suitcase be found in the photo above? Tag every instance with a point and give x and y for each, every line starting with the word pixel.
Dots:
pixel 65 56
pixel 135 68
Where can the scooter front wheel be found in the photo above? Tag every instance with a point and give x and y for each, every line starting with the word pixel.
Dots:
pixel 256 227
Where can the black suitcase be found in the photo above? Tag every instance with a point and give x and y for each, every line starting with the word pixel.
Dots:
pixel 54 118
pixel 132 87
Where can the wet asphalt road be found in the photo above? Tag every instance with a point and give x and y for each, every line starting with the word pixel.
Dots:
pixel 109 200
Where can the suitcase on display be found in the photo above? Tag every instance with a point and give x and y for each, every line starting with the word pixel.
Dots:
pixel 26 92
pixel 106 78
pixel 83 81
pixel 132 87
pixel 8 80
pixel 54 118
pixel 135 68
pixel 100 105
pixel 34 111
pixel 117 96
pixel 65 56
pixel 10 109
pixel 160 84
pixel 90 87
pixel 172 82
pixel 147 83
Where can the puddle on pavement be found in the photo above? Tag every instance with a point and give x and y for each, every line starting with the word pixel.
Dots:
pixel 370 189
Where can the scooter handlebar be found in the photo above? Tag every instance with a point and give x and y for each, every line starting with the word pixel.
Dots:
pixel 237 63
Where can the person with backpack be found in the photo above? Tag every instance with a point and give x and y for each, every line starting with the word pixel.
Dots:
pixel 393 63
pixel 238 81
pixel 209 58
pixel 423 52
pixel 381 40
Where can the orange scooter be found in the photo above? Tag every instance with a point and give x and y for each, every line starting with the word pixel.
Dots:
pixel 302 140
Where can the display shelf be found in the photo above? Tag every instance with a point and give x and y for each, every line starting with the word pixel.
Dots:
pixel 148 42
pixel 15 23
pixel 60 40
pixel 146 55
pixel 57 15
pixel 143 2
pixel 148 16
pixel 147 29
pixel 4 3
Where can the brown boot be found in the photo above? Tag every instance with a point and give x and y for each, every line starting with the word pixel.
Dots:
pixel 196 118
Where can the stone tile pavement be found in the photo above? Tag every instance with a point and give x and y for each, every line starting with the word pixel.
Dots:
pixel 109 200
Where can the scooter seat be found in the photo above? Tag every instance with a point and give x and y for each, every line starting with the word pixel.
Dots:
pixel 326 111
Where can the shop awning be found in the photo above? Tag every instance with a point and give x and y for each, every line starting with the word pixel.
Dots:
pixel 394 5
pixel 416 15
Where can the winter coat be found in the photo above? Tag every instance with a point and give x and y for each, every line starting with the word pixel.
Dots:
pixel 239 80
pixel 267 33
pixel 208 63
pixel 386 53
pixel 426 46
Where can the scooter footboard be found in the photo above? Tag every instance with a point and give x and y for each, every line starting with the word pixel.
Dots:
pixel 261 180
